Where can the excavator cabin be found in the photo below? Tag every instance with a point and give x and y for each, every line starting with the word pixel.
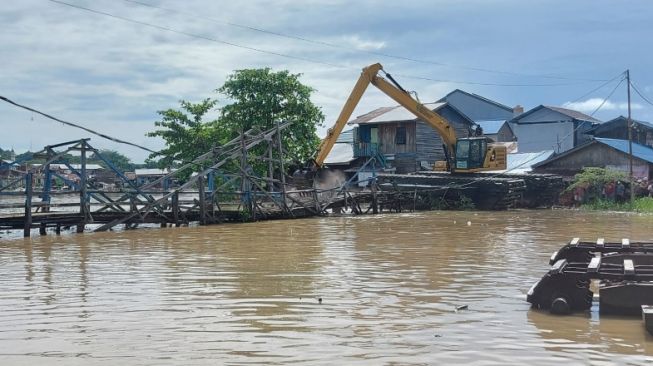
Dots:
pixel 477 154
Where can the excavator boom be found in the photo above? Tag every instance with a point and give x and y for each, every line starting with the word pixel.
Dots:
pixel 487 158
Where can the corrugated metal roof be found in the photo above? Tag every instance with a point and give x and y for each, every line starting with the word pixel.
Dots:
pixel 342 153
pixel 573 114
pixel 523 162
pixel 567 112
pixel 491 126
pixel 346 137
pixel 57 166
pixel 639 151
pixel 620 122
pixel 148 171
pixel 391 114
pixel 490 101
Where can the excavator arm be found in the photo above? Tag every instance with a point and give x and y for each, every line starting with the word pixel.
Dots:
pixel 464 155
pixel 370 76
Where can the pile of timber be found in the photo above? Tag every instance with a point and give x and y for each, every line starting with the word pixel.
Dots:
pixel 492 191
pixel 542 190
pixel 485 191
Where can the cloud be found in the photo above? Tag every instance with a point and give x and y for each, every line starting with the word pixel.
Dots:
pixel 363 44
pixel 112 76
pixel 590 105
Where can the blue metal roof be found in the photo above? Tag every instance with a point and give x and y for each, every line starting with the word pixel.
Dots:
pixel 639 151
pixel 491 126
pixel 346 137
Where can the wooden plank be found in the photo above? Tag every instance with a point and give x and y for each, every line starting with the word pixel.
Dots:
pixel 647 317
pixel 629 267
pixel 594 265
pixel 28 205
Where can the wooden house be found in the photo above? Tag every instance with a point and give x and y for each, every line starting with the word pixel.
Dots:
pixel 402 141
pixel 547 127
pixel 642 132
pixel 602 153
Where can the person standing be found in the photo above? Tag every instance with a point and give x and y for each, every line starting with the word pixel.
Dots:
pixel 620 191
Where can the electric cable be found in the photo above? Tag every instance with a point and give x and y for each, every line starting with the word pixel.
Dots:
pixel 114 139
pixel 640 93
pixel 299 58
pixel 335 45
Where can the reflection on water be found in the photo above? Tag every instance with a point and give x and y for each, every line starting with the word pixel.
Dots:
pixel 248 293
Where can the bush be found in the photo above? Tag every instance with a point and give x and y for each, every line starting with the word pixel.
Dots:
pixel 643 204
pixel 595 179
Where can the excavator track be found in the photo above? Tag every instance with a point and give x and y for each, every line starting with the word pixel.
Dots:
pixel 624 272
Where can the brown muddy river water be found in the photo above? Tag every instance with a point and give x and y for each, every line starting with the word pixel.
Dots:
pixel 248 293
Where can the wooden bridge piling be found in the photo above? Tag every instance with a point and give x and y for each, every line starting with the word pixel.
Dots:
pixel 28 204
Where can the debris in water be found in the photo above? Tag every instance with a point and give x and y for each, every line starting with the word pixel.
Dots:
pixel 462 307
pixel 469 223
pixel 319 300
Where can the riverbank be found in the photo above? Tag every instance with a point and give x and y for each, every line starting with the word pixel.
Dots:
pixel 640 205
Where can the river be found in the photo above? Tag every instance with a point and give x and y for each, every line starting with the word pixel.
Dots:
pixel 249 293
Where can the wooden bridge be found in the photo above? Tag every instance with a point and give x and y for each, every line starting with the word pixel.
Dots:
pixel 219 186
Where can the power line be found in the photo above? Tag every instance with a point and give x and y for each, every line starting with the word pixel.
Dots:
pixel 487 84
pixel 315 61
pixel 114 139
pixel 640 93
pixel 598 87
pixel 594 112
pixel 335 45
pixel 207 38
pixel 606 98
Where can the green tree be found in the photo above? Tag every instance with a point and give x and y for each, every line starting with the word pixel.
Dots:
pixel 261 98
pixel 186 133
pixel 117 159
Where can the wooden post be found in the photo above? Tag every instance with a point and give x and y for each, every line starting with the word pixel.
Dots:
pixel 375 203
pixel 270 185
pixel 28 204
pixel 629 124
pixel 57 229
pixel 83 208
pixel 47 184
pixel 282 170
pixel 175 208
pixel 202 197
pixel 318 208
pixel 42 228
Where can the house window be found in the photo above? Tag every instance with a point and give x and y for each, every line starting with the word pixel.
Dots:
pixel 400 136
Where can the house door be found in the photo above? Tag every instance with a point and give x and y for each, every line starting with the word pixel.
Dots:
pixel 374 140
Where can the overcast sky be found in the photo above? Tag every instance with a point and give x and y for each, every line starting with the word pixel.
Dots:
pixel 112 75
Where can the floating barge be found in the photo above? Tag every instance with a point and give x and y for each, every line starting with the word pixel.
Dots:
pixel 624 272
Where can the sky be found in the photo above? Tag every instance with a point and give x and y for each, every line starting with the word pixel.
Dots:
pixel 112 75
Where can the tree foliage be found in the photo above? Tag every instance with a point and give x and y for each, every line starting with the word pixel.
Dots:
pixel 258 99
pixel 118 160
pixel 262 98
pixel 186 132
pixel 594 179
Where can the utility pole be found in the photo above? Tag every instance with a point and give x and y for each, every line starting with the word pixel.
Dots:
pixel 630 142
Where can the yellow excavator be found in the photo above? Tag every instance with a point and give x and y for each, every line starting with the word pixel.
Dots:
pixel 463 155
